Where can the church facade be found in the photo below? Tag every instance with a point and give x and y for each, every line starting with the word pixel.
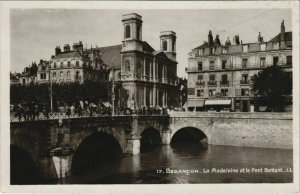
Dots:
pixel 148 77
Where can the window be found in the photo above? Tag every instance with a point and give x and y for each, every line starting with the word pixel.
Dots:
pixel 224 50
pixel 224 64
pixel 200 77
pixel 245 92
pixel 262 61
pixel 200 52
pixel 43 67
pixel 211 65
pixel 127 65
pixel 164 45
pixel 212 77
pixel 54 66
pixel 263 47
pixel 69 64
pixel 224 92
pixel 244 79
pixel 200 93
pixel 77 73
pixel 191 91
pixel 61 64
pixel 200 66
pixel 289 60
pixel 54 74
pixel 212 50
pixel 127 31
pixel 245 48
pixel 224 79
pixel 84 64
pixel 43 76
pixel 61 74
pixel 77 63
pixel 275 60
pixel 68 73
pixel 276 45
pixel 212 92
pixel 244 63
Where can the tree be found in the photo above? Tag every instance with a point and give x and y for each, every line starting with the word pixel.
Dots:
pixel 271 86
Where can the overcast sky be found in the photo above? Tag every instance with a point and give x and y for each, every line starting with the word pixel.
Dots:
pixel 36 32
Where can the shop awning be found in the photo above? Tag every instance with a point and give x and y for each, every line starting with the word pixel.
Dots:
pixel 217 102
pixel 195 103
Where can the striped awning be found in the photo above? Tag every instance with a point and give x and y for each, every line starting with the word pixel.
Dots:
pixel 217 102
pixel 195 103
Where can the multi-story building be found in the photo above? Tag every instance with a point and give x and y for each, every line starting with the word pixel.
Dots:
pixel 28 76
pixel 147 76
pixel 43 72
pixel 219 75
pixel 77 65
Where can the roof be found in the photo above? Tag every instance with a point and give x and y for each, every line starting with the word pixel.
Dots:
pixel 72 54
pixel 111 56
pixel 205 45
pixel 287 35
pixel 147 47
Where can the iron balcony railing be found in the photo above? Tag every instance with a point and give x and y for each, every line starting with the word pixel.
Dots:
pixel 212 83
pixel 236 67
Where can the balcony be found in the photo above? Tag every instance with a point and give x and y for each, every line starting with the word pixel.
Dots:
pixel 224 83
pixel 244 82
pixel 212 83
pixel 200 83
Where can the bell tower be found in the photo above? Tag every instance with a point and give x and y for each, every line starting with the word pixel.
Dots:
pixel 168 44
pixel 132 25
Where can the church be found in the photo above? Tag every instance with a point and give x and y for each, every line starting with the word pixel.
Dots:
pixel 147 76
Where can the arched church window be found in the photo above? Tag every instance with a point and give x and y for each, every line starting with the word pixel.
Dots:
pixel 164 45
pixel 127 65
pixel 127 31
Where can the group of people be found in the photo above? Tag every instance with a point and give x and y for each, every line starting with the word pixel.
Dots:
pixel 33 111
pixel 29 111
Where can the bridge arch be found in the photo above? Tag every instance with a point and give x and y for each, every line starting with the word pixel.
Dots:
pixel 150 138
pixel 97 148
pixel 23 168
pixel 188 134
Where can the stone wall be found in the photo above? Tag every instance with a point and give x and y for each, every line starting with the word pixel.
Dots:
pixel 268 130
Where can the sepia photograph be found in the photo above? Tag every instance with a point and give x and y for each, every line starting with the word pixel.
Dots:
pixel 126 95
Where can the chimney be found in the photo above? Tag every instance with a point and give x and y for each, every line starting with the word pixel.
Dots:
pixel 282 31
pixel 234 40
pixel 227 43
pixel 57 50
pixel 78 47
pixel 259 37
pixel 210 38
pixel 217 40
pixel 237 39
pixel 66 48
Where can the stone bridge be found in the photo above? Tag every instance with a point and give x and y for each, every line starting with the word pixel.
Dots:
pixel 58 147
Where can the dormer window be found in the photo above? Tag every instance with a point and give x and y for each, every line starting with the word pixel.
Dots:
pixel 262 47
pixel 200 52
pixel 276 45
pixel 245 48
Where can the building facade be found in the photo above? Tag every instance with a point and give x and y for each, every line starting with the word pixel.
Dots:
pixel 77 65
pixel 148 77
pixel 219 75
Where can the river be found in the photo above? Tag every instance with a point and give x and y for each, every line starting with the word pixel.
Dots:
pixel 194 163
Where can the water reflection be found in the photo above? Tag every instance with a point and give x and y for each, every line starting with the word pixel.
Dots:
pixel 150 167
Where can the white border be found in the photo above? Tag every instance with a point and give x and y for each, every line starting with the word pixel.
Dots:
pixel 164 188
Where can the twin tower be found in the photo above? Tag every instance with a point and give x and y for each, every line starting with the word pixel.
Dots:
pixel 132 24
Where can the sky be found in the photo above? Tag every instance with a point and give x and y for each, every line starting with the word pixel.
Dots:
pixel 36 32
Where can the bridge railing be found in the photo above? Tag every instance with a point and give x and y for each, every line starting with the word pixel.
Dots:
pixel 62 115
